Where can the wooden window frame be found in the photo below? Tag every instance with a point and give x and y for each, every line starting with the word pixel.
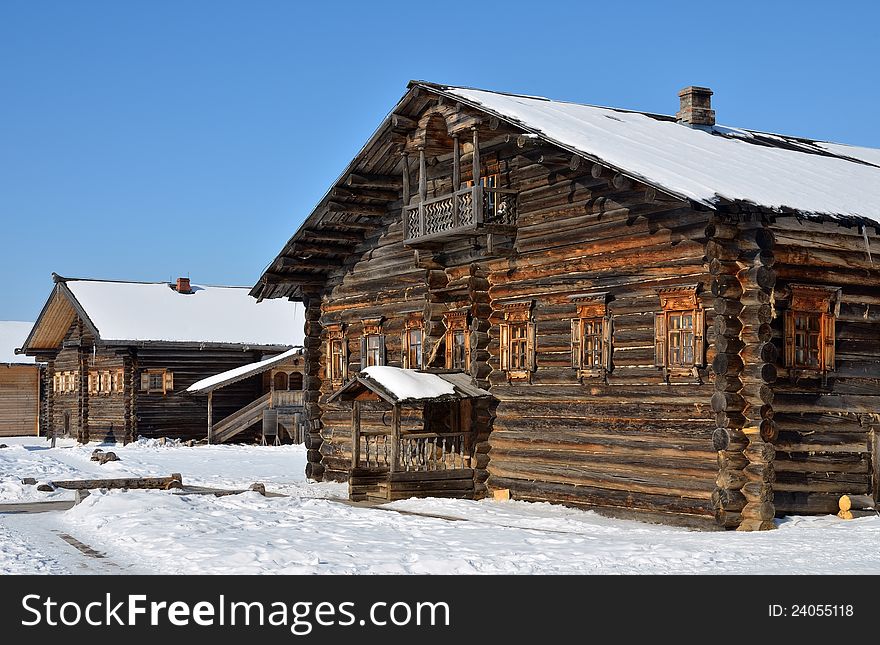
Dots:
pixel 457 322
pixel 167 377
pixel 811 302
pixel 518 330
pixel 680 301
pixel 372 330
pixel 592 310
pixel 336 345
pixel 415 322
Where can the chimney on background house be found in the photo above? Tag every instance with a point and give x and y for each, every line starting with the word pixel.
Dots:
pixel 696 106
pixel 183 286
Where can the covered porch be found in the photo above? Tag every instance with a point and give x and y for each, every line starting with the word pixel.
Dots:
pixel 279 408
pixel 411 434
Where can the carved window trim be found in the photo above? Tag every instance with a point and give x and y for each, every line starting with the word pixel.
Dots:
pixel 372 343
pixel 813 310
pixel 411 353
pixel 680 303
pixel 336 348
pixel 157 381
pixel 518 336
pixel 457 327
pixel 591 326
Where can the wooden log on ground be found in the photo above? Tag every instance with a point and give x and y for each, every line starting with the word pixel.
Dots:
pixel 165 483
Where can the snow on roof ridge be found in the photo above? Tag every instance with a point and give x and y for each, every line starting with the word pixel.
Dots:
pixel 656 115
pixel 165 282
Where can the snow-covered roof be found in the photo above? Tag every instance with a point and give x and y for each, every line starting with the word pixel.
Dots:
pixel 12 336
pixel 239 373
pixel 706 166
pixel 131 313
pixel 409 384
pixel 398 385
pixel 142 311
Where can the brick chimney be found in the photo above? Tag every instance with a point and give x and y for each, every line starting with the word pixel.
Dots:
pixel 183 286
pixel 696 106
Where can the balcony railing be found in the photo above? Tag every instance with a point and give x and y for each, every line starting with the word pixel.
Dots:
pixel 464 212
pixel 287 398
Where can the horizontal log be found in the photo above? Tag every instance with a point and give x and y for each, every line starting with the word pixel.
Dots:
pixel 173 481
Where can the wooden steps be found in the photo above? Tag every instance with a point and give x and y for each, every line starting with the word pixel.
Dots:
pixel 242 420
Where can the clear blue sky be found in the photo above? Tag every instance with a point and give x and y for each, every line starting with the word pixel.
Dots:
pixel 146 140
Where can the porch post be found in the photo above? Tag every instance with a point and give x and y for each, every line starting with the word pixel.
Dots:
pixel 423 189
pixel 477 201
pixel 210 417
pixel 395 437
pixel 406 232
pixel 456 177
pixel 355 433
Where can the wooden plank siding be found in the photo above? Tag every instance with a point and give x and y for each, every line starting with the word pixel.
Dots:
pixel 19 400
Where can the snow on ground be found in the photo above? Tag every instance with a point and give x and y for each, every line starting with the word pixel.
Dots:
pixel 227 466
pixel 154 531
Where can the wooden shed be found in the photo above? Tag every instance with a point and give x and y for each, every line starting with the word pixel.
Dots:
pixel 675 320
pixel 19 383
pixel 120 355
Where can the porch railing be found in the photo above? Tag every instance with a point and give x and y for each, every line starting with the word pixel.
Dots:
pixel 459 212
pixel 425 451
pixel 287 398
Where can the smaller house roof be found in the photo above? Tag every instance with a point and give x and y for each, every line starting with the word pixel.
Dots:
pixel 396 385
pixel 12 335
pixel 239 373
pixel 134 313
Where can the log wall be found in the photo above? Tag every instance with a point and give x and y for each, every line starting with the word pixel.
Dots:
pixel 635 443
pixel 827 434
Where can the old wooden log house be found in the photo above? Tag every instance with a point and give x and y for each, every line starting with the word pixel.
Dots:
pixel 120 356
pixel 19 383
pixel 655 315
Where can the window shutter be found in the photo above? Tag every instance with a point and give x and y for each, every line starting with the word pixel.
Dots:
pixel 699 337
pixel 576 343
pixel 363 352
pixel 120 381
pixel 660 339
pixel 381 349
pixel 168 382
pixel 145 382
pixel 789 338
pixel 607 336
pixel 404 350
pixel 328 358
pixel 531 346
pixel 504 346
pixel 344 375
pixel 449 347
pixel 828 336
pixel 91 383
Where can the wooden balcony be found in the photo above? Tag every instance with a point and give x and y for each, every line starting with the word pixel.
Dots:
pixel 470 211
pixel 286 398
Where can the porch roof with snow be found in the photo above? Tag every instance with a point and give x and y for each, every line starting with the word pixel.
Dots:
pixel 147 313
pixel 237 374
pixel 12 335
pixel 395 385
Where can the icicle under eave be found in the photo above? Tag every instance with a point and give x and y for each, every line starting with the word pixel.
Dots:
pixel 867 244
